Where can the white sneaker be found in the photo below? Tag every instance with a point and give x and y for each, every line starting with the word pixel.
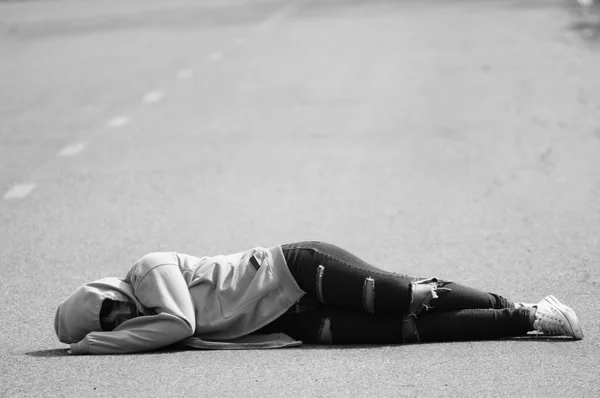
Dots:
pixel 556 319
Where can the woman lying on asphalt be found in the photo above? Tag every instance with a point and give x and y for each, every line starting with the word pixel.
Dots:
pixel 268 298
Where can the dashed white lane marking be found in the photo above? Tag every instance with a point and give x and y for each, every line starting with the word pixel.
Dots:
pixel 278 16
pixel 214 57
pixel 185 74
pixel 19 191
pixel 119 121
pixel 72 150
pixel 153 96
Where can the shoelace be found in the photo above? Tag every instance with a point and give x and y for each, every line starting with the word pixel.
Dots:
pixel 551 324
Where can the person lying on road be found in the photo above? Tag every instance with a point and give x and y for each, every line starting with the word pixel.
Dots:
pixel 311 292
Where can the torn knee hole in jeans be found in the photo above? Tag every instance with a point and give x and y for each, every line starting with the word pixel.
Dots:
pixel 324 336
pixel 422 292
pixel 319 283
pixel 369 295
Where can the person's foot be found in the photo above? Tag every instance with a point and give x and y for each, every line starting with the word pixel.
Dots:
pixel 556 319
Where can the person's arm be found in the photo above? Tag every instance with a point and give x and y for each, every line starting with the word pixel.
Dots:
pixel 161 288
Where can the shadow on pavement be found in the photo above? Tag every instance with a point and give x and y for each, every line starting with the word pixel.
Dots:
pixel 56 352
pixel 544 339
pixel 61 352
pixel 64 352
pixel 529 338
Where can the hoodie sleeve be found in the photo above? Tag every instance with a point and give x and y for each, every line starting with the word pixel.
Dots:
pixel 159 285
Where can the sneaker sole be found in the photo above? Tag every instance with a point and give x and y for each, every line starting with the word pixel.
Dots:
pixel 569 315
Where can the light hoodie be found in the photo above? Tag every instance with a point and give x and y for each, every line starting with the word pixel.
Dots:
pixel 209 302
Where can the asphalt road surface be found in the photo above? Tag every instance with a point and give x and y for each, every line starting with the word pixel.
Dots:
pixel 457 139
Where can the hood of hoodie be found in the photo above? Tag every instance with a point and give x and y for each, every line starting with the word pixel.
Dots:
pixel 79 314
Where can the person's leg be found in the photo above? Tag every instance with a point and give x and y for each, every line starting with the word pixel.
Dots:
pixel 330 325
pixel 469 324
pixel 549 317
pixel 315 323
pixel 339 278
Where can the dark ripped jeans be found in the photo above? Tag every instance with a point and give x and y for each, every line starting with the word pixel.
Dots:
pixel 349 301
